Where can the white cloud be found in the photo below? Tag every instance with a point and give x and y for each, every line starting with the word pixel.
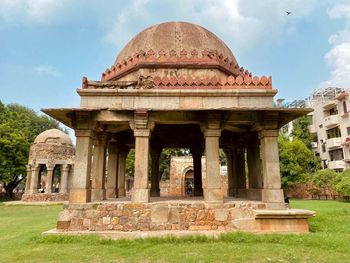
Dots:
pixel 244 23
pixel 36 11
pixel 339 56
pixel 47 70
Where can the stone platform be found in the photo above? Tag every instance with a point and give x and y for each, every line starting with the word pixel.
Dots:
pixel 174 215
pixel 43 197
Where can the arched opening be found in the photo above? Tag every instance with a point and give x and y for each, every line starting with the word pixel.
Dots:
pixel 42 178
pixel 189 182
pixel 56 180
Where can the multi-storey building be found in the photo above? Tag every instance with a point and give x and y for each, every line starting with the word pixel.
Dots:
pixel 330 127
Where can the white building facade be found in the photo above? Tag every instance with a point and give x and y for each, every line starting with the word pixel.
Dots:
pixel 330 127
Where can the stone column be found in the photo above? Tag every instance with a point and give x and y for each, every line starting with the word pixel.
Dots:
pixel 241 173
pixel 272 193
pixel 112 170
pixel 197 153
pixel 155 155
pixel 34 180
pixel 212 192
pixel 98 191
pixel 79 191
pixel 231 172
pixel 64 179
pixel 142 132
pixel 28 178
pixel 121 171
pixel 254 171
pixel 49 177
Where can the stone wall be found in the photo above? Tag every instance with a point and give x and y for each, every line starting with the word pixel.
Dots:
pixel 42 197
pixel 171 215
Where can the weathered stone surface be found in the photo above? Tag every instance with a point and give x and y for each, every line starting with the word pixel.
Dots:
pixel 160 213
pixel 221 214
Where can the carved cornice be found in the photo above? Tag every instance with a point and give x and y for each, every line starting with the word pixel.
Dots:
pixel 157 82
pixel 183 59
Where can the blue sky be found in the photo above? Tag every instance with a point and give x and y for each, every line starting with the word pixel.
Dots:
pixel 46 46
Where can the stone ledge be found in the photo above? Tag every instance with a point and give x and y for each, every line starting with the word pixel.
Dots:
pixel 280 214
pixel 136 234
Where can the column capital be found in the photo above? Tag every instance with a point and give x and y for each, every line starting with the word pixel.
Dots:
pixel 268 133
pixel 65 167
pixel 212 132
pixel 84 133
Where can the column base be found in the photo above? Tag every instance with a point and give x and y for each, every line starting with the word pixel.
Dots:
pixel 79 195
pixel 242 193
pixel 274 198
pixel 30 192
pixel 140 196
pixel 254 194
pixel 121 192
pixel 213 195
pixel 98 194
pixel 155 192
pixel 198 192
pixel 111 193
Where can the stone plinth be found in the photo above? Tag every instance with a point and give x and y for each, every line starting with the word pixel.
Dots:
pixel 180 215
pixel 41 197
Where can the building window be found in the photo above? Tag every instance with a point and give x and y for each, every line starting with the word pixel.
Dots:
pixel 345 107
pixel 348 130
pixel 333 111
pixel 323 146
pixel 336 155
pixel 333 133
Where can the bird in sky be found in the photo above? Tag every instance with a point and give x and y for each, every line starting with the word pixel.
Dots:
pixel 288 13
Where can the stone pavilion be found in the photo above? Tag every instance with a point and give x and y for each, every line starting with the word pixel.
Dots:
pixel 176 84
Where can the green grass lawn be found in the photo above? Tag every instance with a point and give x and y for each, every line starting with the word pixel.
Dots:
pixel 329 241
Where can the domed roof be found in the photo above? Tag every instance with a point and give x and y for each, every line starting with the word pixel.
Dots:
pixel 175 36
pixel 53 136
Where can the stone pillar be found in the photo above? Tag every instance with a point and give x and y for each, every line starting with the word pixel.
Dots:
pixel 142 131
pixel 49 177
pixel 155 155
pixel 121 171
pixel 112 170
pixel 212 192
pixel 79 191
pixel 241 173
pixel 197 153
pixel 254 171
pixel 64 179
pixel 231 172
pixel 34 180
pixel 272 193
pixel 28 178
pixel 98 191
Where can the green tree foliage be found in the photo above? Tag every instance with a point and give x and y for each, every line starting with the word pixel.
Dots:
pixel 325 180
pixel 301 130
pixel 342 185
pixel 18 128
pixel 297 161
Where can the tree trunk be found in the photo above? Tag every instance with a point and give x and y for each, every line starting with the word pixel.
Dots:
pixel 9 187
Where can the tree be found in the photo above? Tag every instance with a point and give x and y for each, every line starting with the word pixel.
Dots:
pixel 19 126
pixel 342 185
pixel 325 180
pixel 301 130
pixel 297 162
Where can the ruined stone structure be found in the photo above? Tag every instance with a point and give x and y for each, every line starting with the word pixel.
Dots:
pixel 181 179
pixel 177 85
pixel 51 150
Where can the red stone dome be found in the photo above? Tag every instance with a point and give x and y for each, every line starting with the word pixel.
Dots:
pixel 174 45
pixel 175 36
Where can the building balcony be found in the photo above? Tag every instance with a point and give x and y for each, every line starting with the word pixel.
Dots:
pixel 314 145
pixel 334 143
pixel 331 121
pixel 337 165
pixel 312 129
